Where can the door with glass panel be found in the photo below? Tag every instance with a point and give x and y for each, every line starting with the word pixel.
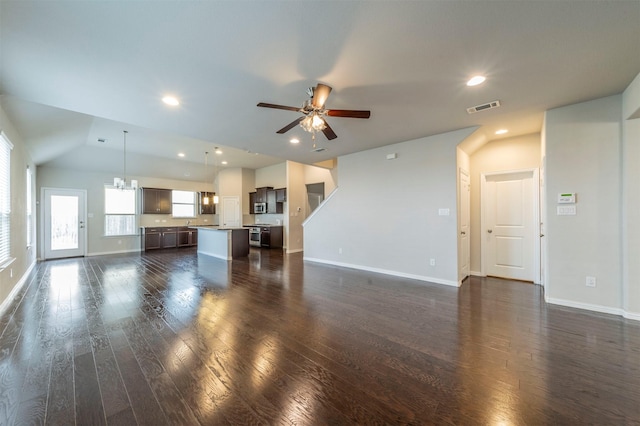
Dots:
pixel 64 218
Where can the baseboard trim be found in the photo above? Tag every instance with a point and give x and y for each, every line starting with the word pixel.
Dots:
pixel 104 253
pixel 384 271
pixel 477 274
pixel 294 251
pixel 593 308
pixel 21 282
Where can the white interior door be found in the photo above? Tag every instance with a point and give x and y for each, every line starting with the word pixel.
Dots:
pixel 464 241
pixel 231 211
pixel 509 215
pixel 64 217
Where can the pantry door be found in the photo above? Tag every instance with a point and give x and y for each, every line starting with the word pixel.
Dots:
pixel 509 213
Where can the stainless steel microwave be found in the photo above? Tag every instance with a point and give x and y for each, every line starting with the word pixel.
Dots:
pixel 259 208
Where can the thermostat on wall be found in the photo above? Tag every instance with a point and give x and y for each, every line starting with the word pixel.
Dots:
pixel 567 198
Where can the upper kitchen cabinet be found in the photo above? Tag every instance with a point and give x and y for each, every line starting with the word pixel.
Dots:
pixel 156 201
pixel 271 201
pixel 252 200
pixel 207 205
pixel 261 194
pixel 281 195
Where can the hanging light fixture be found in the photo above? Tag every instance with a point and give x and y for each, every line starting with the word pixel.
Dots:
pixel 206 198
pixel 313 123
pixel 121 183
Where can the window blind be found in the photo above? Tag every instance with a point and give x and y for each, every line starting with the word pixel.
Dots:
pixel 5 198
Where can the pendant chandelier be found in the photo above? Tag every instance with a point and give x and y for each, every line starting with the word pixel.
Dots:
pixel 121 182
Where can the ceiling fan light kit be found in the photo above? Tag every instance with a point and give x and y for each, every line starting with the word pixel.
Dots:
pixel 313 111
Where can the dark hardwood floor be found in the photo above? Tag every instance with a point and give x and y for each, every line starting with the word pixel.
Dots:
pixel 169 337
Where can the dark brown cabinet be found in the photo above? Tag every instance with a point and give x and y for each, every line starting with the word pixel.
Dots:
pixel 156 201
pixel 164 237
pixel 187 237
pixel 281 195
pixel 271 236
pixel 169 237
pixel 206 203
pixel 261 194
pixel 271 201
pixel 252 201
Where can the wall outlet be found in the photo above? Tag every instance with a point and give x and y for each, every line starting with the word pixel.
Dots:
pixel 591 282
pixel 432 262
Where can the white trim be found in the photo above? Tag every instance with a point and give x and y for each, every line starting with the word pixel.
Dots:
pixel 16 288
pixel 102 253
pixel 477 274
pixel 593 308
pixel 385 271
pixel 294 251
pixel 313 213
pixel 217 256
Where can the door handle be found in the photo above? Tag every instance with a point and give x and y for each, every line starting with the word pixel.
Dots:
pixel 463 233
pixel 489 230
pixel 541 235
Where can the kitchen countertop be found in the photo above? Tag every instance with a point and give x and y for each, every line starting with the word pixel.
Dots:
pixel 258 225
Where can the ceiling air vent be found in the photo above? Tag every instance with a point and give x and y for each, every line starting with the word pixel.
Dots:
pixel 318 149
pixel 478 108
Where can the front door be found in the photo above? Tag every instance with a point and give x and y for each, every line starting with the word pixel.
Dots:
pixel 509 209
pixel 64 223
pixel 231 211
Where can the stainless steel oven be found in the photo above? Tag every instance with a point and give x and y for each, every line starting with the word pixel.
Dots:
pixel 254 237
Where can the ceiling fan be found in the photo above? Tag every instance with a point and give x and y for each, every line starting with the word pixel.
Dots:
pixel 314 112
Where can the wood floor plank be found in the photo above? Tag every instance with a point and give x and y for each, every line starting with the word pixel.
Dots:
pixel 172 337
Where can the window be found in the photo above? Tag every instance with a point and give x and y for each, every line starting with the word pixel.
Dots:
pixel 28 209
pixel 119 211
pixel 184 203
pixel 5 198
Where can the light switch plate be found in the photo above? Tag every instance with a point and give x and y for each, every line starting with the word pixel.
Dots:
pixel 566 210
pixel 443 212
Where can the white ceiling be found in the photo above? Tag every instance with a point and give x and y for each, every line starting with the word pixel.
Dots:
pixel 73 72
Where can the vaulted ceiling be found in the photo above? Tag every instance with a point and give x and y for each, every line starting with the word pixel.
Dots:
pixel 76 72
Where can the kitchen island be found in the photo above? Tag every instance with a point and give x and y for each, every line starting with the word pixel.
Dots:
pixel 223 243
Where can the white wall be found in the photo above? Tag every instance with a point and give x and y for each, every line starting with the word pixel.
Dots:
pixel 517 153
pixel 94 183
pixel 583 155
pixel 631 198
pixel 384 217
pixel 25 256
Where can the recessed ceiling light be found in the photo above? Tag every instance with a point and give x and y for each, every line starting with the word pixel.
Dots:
pixel 295 140
pixel 224 163
pixel 170 100
pixel 478 79
pixel 501 131
pixel 218 151
pixel 181 154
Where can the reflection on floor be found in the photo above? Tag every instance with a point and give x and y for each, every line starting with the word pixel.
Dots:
pixel 170 337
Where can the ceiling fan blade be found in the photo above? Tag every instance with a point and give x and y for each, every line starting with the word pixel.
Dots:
pixel 320 95
pixel 328 131
pixel 290 126
pixel 288 108
pixel 349 113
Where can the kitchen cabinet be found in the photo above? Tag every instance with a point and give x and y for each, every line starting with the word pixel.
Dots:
pixel 156 201
pixel 271 236
pixel 252 201
pixel 187 237
pixel 206 203
pixel 281 195
pixel 261 194
pixel 163 237
pixel 271 201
